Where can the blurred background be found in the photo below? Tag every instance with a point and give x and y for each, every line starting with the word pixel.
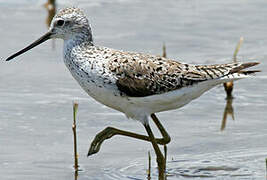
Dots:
pixel 37 91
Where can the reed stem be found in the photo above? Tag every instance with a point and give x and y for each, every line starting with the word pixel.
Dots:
pixel 75 109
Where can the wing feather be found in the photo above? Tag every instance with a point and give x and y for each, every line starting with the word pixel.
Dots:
pixel 140 75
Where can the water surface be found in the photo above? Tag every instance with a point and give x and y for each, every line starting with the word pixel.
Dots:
pixel 37 91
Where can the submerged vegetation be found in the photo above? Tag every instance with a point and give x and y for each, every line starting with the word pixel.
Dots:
pixel 228 87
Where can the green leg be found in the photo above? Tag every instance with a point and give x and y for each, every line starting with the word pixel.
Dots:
pixel 160 157
pixel 110 131
pixel 166 138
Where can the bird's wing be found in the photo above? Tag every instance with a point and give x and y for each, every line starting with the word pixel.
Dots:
pixel 140 75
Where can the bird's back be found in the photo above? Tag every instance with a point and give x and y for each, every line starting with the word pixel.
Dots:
pixel 140 75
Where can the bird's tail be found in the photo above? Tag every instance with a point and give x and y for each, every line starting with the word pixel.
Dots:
pixel 238 71
pixel 230 71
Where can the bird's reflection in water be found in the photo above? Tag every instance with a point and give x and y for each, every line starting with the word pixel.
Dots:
pixel 228 110
pixel 50 6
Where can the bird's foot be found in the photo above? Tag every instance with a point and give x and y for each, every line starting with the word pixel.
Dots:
pixel 99 139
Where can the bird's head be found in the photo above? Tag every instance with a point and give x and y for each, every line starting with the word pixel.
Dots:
pixel 69 23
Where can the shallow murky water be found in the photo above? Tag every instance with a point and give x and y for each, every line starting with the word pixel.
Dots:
pixel 37 91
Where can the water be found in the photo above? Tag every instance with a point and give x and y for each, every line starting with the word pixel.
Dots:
pixel 37 91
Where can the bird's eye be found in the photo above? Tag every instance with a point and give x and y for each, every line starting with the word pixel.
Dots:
pixel 60 22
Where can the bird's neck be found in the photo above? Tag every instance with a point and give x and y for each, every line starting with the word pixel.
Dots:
pixel 74 47
pixel 78 39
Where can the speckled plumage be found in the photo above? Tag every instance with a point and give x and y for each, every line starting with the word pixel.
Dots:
pixel 136 84
pixel 139 75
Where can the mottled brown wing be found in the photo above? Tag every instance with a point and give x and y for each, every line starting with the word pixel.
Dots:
pixel 140 75
pixel 141 87
pixel 134 87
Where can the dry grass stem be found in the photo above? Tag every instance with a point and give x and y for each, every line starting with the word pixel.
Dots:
pixel 75 109
pixel 164 54
pixel 230 85
pixel 238 48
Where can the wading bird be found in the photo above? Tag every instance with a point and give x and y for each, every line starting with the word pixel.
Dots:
pixel 136 84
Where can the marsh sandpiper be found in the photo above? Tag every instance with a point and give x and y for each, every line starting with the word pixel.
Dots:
pixel 136 84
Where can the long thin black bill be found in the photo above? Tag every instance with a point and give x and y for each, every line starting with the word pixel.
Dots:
pixel 35 43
